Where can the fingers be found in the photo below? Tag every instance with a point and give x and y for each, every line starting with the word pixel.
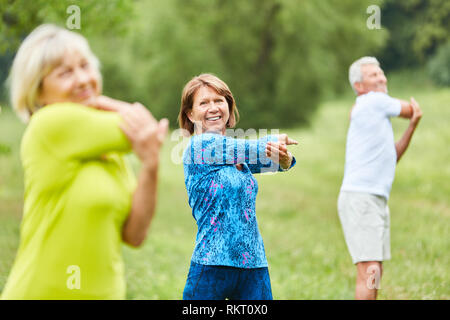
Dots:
pixel 163 128
pixel 276 151
pixel 143 131
pixel 108 104
pixel 276 145
pixel 129 133
pixel 132 120
pixel 138 116
pixel 417 112
pixel 415 104
pixel 145 134
pixel 291 141
pixel 91 102
pixel 285 139
pixel 141 111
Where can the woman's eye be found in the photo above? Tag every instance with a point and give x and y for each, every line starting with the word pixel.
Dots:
pixel 64 73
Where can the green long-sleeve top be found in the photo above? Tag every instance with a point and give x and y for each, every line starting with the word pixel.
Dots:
pixel 78 191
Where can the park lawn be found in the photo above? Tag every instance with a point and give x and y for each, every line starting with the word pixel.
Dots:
pixel 297 215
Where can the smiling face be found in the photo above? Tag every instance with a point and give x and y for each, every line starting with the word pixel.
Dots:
pixel 73 80
pixel 373 79
pixel 210 111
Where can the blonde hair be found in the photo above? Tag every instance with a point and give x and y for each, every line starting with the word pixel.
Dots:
pixel 189 91
pixel 41 51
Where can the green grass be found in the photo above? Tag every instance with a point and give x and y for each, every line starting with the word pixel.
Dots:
pixel 297 215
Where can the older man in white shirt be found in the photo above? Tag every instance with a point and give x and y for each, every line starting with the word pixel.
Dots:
pixel 370 161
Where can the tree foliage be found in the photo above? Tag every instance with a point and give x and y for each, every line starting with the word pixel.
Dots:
pixel 417 29
pixel 439 65
pixel 19 17
pixel 279 57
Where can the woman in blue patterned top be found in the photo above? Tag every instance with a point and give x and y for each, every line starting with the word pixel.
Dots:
pixel 229 259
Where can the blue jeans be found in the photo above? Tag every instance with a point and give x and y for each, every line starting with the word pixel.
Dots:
pixel 221 282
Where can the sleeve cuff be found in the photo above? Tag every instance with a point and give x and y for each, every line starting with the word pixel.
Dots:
pixel 292 164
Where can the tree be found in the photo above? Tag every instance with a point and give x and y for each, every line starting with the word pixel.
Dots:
pixel 278 57
pixel 19 17
pixel 417 29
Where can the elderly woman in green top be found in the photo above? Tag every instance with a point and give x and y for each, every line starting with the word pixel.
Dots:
pixel 81 198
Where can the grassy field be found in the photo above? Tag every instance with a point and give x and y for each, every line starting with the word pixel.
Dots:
pixel 297 214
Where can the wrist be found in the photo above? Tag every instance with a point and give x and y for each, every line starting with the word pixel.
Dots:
pixel 150 166
pixel 286 165
pixel 413 123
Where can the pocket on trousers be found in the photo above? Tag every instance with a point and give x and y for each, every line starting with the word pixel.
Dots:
pixel 193 279
pixel 195 271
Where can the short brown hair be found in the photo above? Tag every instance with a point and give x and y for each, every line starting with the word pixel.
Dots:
pixel 189 91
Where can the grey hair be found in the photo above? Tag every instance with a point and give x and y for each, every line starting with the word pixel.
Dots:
pixel 354 72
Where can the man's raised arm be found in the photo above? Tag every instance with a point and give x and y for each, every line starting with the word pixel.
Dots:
pixel 407 109
pixel 410 110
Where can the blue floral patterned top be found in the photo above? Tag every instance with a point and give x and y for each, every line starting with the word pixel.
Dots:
pixel 223 198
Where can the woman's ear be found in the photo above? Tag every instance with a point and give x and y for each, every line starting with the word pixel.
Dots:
pixel 40 100
pixel 189 115
pixel 231 120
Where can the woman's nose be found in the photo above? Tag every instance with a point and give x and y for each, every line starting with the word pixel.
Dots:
pixel 82 76
pixel 213 106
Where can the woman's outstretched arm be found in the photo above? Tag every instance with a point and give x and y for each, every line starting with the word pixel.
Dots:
pixel 216 149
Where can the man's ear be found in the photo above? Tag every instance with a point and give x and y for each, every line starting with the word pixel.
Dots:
pixel 359 87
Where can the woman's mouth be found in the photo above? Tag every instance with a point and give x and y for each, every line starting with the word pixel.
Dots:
pixel 214 118
pixel 84 94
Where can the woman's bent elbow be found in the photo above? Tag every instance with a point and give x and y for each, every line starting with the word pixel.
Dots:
pixel 134 242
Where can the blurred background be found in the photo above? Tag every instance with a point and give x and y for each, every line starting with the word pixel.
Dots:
pixel 274 54
pixel 286 62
